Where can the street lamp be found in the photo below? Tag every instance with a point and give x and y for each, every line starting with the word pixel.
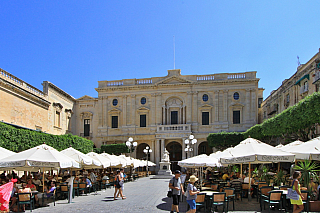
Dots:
pixel 131 145
pixel 189 143
pixel 147 150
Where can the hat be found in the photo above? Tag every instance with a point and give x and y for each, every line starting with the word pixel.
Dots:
pixel 193 178
pixel 177 172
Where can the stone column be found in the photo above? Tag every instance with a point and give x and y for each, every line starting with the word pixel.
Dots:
pixel 106 108
pixel 157 152
pixel 152 154
pixel 183 147
pixel 158 109
pixel 162 148
pixel 124 110
pixel 168 116
pixel 195 108
pixel 184 114
pixel 163 115
pixel 254 106
pixel 133 111
pixel 189 107
pixel 247 107
pixel 100 104
pixel 216 106
pixel 153 109
pixel 225 105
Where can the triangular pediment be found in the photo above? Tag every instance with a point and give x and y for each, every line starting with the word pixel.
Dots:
pixel 174 80
pixel 85 98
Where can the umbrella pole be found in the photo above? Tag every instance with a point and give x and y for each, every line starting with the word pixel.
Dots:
pixel 241 170
pixel 249 190
pixel 43 180
pixel 278 166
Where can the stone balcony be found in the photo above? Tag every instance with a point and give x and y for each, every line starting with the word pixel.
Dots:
pixel 173 131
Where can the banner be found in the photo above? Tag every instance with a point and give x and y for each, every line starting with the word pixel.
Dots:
pixel 5 194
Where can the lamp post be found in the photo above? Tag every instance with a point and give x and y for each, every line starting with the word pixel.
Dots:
pixel 189 142
pixel 147 150
pixel 131 145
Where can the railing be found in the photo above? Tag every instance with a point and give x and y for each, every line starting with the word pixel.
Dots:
pixel 205 78
pixel 16 81
pixel 304 88
pixel 316 77
pixel 144 81
pixel 82 135
pixel 174 128
pixel 114 83
pixel 236 76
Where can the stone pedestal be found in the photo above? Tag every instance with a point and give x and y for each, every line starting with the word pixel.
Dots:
pixel 164 172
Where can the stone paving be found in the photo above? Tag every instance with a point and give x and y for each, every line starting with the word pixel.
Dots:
pixel 143 195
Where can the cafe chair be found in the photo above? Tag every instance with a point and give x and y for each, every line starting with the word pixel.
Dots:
pixel 260 184
pixel 76 188
pixel 305 200
pixel 230 196
pixel 214 187
pixel 83 187
pixel 245 188
pixel 273 199
pixel 64 190
pixel 219 199
pixel 49 196
pixel 263 193
pixel 24 199
pixel 201 201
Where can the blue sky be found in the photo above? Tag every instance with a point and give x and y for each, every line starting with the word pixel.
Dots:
pixel 75 44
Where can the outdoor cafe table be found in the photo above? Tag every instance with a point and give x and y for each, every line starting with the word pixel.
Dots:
pixel 205 188
pixel 208 195
pixel 285 200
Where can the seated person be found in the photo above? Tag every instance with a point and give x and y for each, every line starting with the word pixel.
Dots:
pixel 225 177
pixel 24 189
pixel 33 188
pixel 36 181
pixel 52 187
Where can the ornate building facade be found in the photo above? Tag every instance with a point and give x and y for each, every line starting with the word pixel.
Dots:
pixel 161 112
pixel 303 82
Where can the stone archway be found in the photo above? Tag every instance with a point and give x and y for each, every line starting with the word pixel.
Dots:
pixel 204 148
pixel 175 152
pixel 139 151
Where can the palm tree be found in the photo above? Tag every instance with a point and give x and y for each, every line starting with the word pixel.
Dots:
pixel 308 170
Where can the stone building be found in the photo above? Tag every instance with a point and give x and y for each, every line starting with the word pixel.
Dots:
pixel 161 112
pixel 25 106
pixel 303 82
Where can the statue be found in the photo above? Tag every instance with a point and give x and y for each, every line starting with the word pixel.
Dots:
pixel 166 157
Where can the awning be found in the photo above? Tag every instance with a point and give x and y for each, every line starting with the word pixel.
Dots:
pixel 305 76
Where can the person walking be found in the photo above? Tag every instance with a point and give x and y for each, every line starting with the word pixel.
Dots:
pixel 192 194
pixel 175 185
pixel 122 181
pixel 297 204
pixel 117 186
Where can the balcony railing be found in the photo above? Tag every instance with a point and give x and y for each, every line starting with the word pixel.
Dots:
pixel 304 88
pixel 173 128
pixel 316 77
pixel 86 136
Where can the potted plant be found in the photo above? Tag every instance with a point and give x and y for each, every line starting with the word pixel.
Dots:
pixel 308 170
pixel 279 178
pixel 264 174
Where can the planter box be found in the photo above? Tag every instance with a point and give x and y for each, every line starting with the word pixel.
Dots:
pixel 314 206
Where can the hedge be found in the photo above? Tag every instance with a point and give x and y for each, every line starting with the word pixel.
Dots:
pixel 114 149
pixel 296 122
pixel 18 140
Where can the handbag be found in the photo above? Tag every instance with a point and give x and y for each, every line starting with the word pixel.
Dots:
pixel 169 194
pixel 292 194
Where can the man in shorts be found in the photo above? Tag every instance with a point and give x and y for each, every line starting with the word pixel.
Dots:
pixel 175 185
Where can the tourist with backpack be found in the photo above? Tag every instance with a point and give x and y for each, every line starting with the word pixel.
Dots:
pixel 175 185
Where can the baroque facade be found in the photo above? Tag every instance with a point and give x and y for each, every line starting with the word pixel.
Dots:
pixel 161 112
pixel 303 82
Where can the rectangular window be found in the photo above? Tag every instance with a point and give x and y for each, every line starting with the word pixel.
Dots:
pixel 174 117
pixel 57 119
pixel 236 117
pixel 86 127
pixel 143 120
pixel 205 118
pixel 114 121
pixel 260 102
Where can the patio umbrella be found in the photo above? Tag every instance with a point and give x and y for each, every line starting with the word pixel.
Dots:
pixel 114 161
pixel 105 162
pixel 39 157
pixel 85 161
pixel 199 161
pixel 307 150
pixel 254 151
pixel 289 146
pixel 128 160
pixel 5 153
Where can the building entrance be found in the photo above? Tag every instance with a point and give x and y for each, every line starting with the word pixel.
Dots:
pixel 175 152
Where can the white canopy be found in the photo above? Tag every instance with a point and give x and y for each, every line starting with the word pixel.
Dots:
pixel 289 146
pixel 222 154
pixel 5 153
pixel 254 151
pixel 84 160
pixel 42 156
pixel 307 150
pixel 199 161
pixel 114 160
pixel 129 162
pixel 105 162
pixel 138 163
